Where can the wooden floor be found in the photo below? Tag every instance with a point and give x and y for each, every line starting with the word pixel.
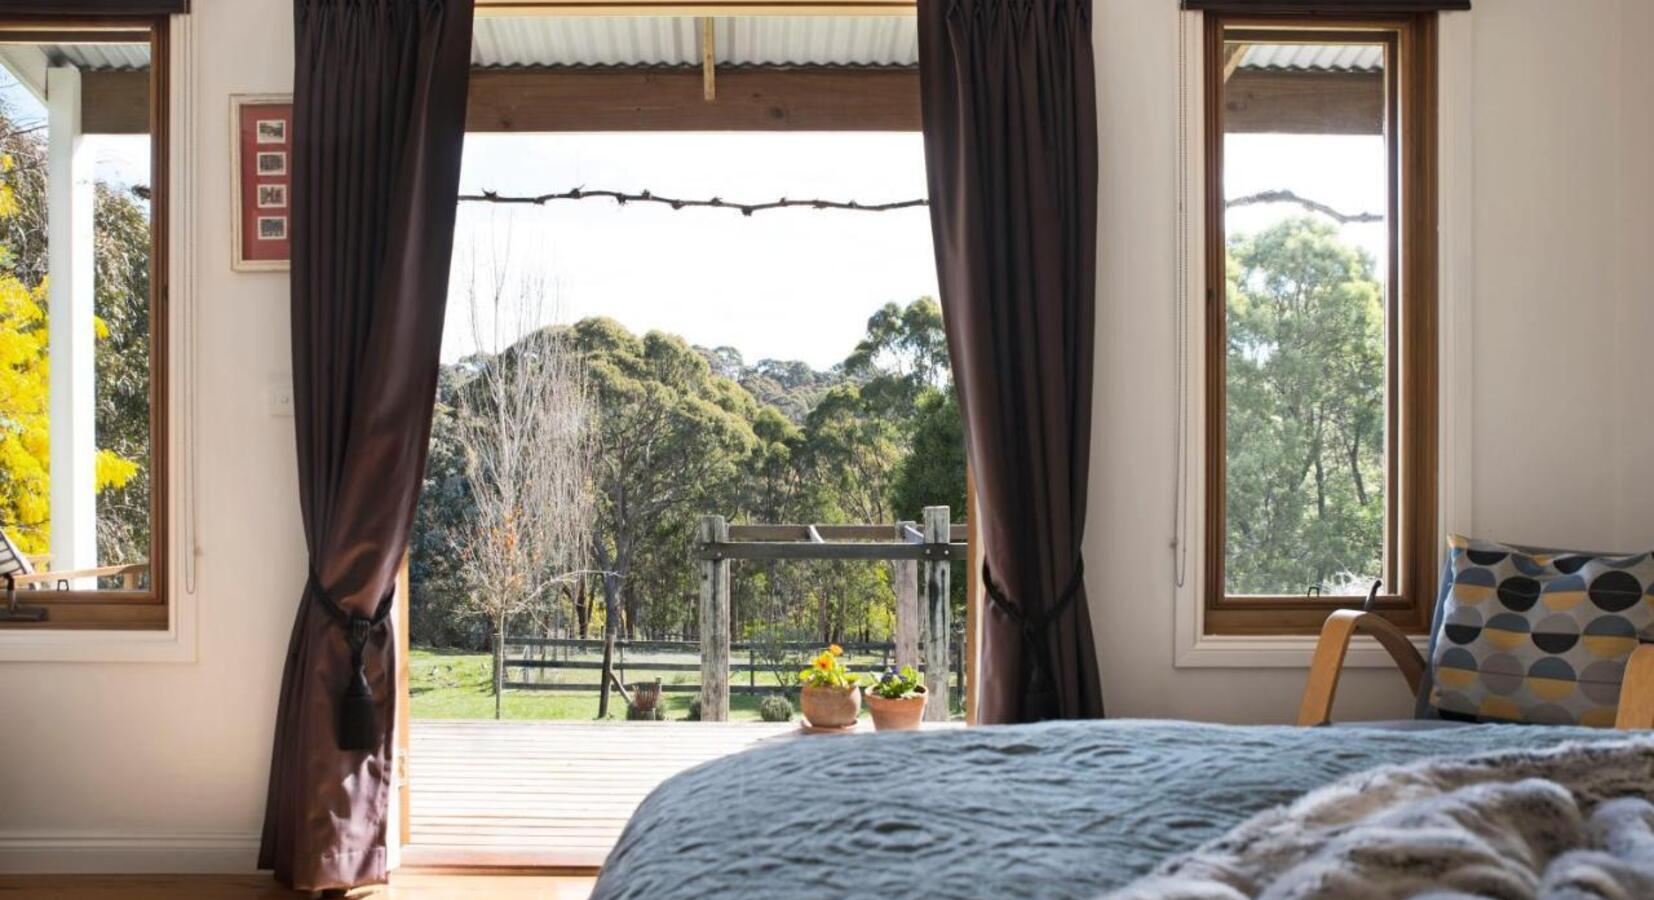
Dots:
pixel 403 886
pixel 547 793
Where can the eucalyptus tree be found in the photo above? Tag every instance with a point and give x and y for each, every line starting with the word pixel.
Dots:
pixel 670 434
pixel 1306 441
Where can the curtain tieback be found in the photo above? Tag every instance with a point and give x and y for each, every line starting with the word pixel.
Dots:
pixel 1040 699
pixel 358 719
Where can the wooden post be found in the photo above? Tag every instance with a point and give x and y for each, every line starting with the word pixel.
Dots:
pixel 937 576
pixel 905 573
pixel 608 671
pixel 499 669
pixel 709 59
pixel 714 623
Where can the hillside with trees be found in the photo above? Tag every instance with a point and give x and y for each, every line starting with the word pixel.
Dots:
pixel 677 431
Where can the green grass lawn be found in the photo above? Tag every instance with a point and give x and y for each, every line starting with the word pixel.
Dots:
pixel 453 684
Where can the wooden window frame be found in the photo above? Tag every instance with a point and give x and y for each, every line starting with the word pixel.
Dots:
pixel 147 609
pixel 1411 362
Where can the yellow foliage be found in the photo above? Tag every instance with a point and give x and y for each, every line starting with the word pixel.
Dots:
pixel 113 470
pixel 25 426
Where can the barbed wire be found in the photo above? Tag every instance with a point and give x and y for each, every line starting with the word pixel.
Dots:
pixel 622 198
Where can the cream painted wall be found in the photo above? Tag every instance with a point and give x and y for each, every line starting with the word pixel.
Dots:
pixel 1559 439
pixel 139 762
pixel 133 766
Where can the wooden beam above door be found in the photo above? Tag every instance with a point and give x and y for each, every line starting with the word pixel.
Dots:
pixel 674 99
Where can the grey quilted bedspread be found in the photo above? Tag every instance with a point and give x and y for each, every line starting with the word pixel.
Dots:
pixel 1062 809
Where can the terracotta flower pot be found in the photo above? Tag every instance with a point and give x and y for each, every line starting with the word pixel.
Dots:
pixel 897 715
pixel 831 707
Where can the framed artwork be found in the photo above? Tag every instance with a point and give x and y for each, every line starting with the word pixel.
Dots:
pixel 261 150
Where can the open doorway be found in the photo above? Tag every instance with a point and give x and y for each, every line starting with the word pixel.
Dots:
pixel 693 279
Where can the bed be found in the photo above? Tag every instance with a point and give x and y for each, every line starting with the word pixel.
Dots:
pixel 1056 810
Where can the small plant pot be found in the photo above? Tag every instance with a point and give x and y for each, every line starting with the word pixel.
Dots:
pixel 897 715
pixel 830 707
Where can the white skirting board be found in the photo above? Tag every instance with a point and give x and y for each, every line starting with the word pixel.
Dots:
pixel 137 854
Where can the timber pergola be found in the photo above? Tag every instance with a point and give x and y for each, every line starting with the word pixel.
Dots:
pixel 922 554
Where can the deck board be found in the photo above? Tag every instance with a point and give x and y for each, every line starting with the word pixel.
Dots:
pixel 547 793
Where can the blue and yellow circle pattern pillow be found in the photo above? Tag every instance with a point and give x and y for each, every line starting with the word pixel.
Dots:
pixel 1536 635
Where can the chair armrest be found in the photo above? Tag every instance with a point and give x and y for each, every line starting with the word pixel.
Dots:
pixel 1328 663
pixel 46 578
pixel 1636 710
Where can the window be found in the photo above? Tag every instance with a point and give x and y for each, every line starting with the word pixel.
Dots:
pixel 83 324
pixel 1320 320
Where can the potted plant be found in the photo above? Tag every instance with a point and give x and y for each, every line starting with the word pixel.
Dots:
pixel 832 695
pixel 897 700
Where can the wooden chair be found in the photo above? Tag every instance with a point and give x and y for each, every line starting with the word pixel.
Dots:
pixel 17 571
pixel 1636 705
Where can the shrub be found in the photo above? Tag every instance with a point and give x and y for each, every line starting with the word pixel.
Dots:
pixel 775 708
pixel 694 711
pixel 897 684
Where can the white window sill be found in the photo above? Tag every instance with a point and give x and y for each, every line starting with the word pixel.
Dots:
pixel 175 645
pixel 1210 651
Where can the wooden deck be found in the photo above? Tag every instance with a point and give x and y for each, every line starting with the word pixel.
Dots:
pixel 547 793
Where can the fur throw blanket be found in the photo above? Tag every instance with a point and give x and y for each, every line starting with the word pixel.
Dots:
pixel 1576 821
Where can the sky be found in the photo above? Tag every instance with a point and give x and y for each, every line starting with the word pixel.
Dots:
pixel 783 284
pixel 1346 172
pixel 787 284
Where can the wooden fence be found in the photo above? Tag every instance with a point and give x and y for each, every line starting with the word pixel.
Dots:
pixel 749 662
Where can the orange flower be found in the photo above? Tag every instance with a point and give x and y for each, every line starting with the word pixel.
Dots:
pixel 835 649
pixel 824 662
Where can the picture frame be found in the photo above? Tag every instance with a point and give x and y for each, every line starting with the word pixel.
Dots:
pixel 271 196
pixel 261 130
pixel 271 131
pixel 272 228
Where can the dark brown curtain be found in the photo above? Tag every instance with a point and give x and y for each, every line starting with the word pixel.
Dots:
pixel 1010 123
pixel 378 123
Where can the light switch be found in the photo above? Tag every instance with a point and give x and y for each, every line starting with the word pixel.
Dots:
pixel 280 401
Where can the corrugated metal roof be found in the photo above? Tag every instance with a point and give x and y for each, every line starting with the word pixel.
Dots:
pixel 1317 57
pixel 514 41
pixel 98 57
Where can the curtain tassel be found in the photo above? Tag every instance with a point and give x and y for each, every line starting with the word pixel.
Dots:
pixel 358 718
pixel 1040 700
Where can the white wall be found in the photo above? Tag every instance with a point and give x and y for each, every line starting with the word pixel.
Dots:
pixel 1563 323
pixel 111 761
pixel 122 766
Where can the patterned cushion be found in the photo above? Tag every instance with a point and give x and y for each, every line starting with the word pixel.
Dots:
pixel 1530 635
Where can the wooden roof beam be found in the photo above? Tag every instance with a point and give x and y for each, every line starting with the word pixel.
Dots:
pixel 674 99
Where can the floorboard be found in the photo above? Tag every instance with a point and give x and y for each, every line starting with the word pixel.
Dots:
pixel 403 886
pixel 547 793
